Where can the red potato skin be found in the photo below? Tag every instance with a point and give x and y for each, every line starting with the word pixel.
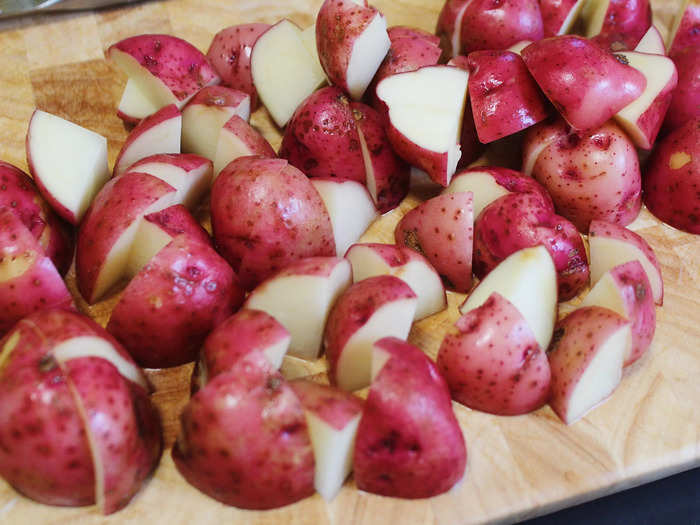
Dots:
pixel 576 338
pixel 352 310
pixel 219 96
pixel 672 178
pixel 108 402
pixel 334 406
pixel 469 141
pixel 685 100
pixel 504 97
pixel 410 49
pixel 257 144
pixel 177 63
pixel 321 138
pixel 186 161
pixel 176 220
pixel 688 34
pixel 45 453
pixel 182 294
pixel 392 176
pixel 265 215
pixel 518 221
pixel 338 24
pixel 586 84
pixel 19 194
pixel 624 24
pixel 409 444
pixel 229 429
pixel 499 25
pixel 229 54
pixel 244 332
pixel 493 363
pixel 447 25
pixel 120 202
pixel 554 13
pixel 590 176
pixel 37 286
pixel 164 114
pixel 634 285
pixel 442 230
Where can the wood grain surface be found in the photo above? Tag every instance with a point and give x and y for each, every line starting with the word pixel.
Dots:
pixel 518 467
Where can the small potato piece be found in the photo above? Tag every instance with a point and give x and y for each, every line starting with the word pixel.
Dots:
pixel 245 442
pixel 266 214
pixel 493 363
pixel 185 291
pixel 442 229
pixel 672 178
pixel 409 444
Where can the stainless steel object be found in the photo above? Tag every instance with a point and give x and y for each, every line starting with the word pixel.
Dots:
pixel 11 8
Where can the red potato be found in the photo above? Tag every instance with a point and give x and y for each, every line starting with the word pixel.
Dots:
pixel 672 178
pixel 377 307
pixel 590 176
pixel 558 16
pixel 387 176
pixel 155 232
pixel 409 444
pixel 642 118
pixel 282 56
pixel 488 25
pixel 652 42
pixel 425 109
pixel 167 69
pixel 256 242
pixel 684 32
pixel 77 429
pixel 28 279
pixel 625 289
pixel 19 194
pixel 685 100
pixel 182 294
pixel 352 41
pixel 190 175
pixel 612 245
pixel 229 54
pixel 245 442
pixel 107 232
pixel 206 113
pixel 68 163
pixel 300 297
pixel 245 332
pixel 158 133
pixel 410 49
pixel 321 138
pixel 585 83
pixel 521 220
pixel 493 362
pixel 504 97
pixel 442 230
pixel 123 459
pixel 488 183
pixel 372 259
pixel 236 139
pixel 135 105
pixel 616 24
pixel 449 26
pixel 586 360
pixel 332 417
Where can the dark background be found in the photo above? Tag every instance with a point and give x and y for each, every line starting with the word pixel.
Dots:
pixel 672 501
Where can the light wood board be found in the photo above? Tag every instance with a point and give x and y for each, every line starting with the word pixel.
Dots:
pixel 518 466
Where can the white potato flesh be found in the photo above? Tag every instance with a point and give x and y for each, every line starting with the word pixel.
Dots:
pixel 593 15
pixel 483 186
pixel 189 185
pixel 355 362
pixel 201 126
pixel 164 137
pixel 368 51
pixel 652 42
pixel 135 103
pixel 69 160
pixel 527 279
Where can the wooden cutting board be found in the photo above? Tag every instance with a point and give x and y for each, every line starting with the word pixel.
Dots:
pixel 518 467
